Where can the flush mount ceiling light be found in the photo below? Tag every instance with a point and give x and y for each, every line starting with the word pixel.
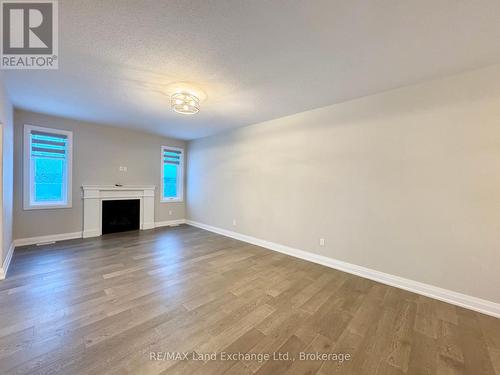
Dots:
pixel 185 103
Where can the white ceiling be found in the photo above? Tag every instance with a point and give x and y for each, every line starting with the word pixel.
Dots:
pixel 256 60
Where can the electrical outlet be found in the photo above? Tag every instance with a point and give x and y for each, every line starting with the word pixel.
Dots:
pixel 234 222
pixel 321 242
pixel 170 212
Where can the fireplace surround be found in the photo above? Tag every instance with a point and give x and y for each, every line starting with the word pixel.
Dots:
pixel 95 195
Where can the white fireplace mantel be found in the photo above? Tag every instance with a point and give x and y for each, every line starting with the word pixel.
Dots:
pixel 94 195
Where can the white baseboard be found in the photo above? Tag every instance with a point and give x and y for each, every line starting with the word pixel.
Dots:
pixel 6 262
pixel 49 238
pixel 169 223
pixel 455 298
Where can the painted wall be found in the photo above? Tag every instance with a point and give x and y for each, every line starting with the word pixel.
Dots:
pixel 98 152
pixel 406 182
pixel 7 173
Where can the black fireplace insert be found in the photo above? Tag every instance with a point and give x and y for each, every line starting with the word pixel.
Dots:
pixel 120 215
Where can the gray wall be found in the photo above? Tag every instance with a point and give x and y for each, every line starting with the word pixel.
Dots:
pixel 7 174
pixel 98 152
pixel 405 182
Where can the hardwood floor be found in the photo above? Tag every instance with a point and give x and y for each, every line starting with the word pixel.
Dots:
pixel 108 305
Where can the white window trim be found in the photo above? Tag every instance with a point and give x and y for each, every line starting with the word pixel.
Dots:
pixel 180 176
pixel 28 176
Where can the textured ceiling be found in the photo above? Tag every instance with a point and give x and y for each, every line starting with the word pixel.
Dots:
pixel 255 60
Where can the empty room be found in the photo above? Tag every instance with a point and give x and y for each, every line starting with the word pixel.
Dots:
pixel 250 187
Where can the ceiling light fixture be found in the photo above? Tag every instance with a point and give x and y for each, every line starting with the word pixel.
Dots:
pixel 185 103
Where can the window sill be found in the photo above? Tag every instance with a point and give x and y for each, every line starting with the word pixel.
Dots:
pixel 176 200
pixel 47 207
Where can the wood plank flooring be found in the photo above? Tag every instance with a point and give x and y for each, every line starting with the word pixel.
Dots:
pixel 117 304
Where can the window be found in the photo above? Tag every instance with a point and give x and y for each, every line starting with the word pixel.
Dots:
pixel 172 174
pixel 47 168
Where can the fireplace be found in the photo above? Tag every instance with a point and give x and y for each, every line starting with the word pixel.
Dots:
pixel 120 215
pixel 94 197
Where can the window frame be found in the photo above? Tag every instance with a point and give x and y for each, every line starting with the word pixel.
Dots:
pixel 28 175
pixel 180 176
